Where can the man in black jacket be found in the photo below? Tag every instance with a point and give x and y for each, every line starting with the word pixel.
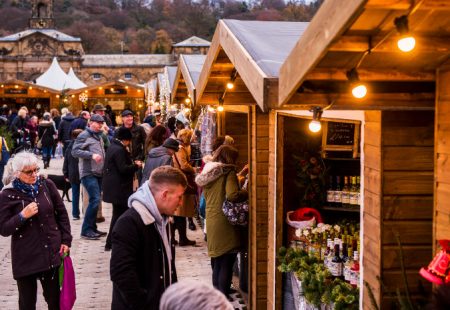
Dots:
pixel 142 259
pixel 64 132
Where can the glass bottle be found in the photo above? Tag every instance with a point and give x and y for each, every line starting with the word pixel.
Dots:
pixel 327 253
pixel 348 265
pixel 345 196
pixel 358 186
pixel 330 193
pixel 354 278
pixel 336 263
pixel 338 193
pixel 353 193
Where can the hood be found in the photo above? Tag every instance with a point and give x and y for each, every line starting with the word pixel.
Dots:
pixel 211 172
pixel 68 118
pixel 159 152
pixel 45 124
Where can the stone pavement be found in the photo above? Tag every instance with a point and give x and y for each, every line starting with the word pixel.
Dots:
pixel 91 263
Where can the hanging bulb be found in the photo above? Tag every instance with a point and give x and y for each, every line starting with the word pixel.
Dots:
pixel 187 100
pixel 230 85
pixel 211 109
pixel 220 108
pixel 359 91
pixel 315 126
pixel 406 44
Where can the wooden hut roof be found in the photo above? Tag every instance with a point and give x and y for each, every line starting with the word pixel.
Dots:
pixel 253 51
pixel 107 85
pixel 28 84
pixel 188 72
pixel 343 31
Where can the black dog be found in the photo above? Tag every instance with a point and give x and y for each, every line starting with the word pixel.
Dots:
pixel 61 184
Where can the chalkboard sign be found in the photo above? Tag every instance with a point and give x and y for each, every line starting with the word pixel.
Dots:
pixel 340 133
pixel 341 136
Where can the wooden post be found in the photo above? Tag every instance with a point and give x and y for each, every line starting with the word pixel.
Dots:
pixel 441 223
pixel 259 215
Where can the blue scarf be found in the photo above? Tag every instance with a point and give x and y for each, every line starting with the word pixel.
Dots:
pixel 31 190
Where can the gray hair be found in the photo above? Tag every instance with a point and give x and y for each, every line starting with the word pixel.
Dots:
pixel 64 111
pixel 189 294
pixel 22 160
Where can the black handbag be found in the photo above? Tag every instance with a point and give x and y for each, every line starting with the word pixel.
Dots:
pixel 236 212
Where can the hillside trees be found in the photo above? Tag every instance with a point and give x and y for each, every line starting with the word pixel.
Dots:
pixel 140 26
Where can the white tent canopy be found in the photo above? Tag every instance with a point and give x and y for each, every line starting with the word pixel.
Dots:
pixel 57 79
pixel 73 82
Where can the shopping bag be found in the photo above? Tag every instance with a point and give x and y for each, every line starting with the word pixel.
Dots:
pixel 68 293
pixel 59 151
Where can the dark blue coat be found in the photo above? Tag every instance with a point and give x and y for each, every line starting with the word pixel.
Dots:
pixel 64 131
pixel 70 166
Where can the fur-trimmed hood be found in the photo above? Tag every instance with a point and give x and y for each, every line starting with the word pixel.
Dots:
pixel 212 171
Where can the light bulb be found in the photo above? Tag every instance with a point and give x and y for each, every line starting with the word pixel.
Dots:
pixel 187 100
pixel 359 91
pixel 406 44
pixel 220 108
pixel 230 85
pixel 315 126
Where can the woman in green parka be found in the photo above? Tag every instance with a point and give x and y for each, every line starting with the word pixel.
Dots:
pixel 219 181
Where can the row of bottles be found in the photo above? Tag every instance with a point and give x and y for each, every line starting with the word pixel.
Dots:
pixel 337 246
pixel 345 196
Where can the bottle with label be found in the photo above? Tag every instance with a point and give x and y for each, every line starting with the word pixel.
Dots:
pixel 330 193
pixel 345 196
pixel 336 263
pixel 358 185
pixel 354 276
pixel 338 193
pixel 327 254
pixel 353 193
pixel 348 265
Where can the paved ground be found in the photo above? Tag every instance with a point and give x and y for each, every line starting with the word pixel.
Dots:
pixel 91 264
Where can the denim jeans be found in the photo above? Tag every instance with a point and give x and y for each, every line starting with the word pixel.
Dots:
pixel 46 152
pixel 75 199
pixel 93 188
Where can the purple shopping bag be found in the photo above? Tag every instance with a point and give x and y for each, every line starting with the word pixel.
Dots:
pixel 68 293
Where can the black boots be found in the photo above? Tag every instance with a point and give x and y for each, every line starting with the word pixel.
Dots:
pixel 191 224
pixel 180 225
pixel 46 161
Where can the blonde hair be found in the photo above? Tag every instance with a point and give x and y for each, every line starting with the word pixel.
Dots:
pixel 185 135
pixel 22 112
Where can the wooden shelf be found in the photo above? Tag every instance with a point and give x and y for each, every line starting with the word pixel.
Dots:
pixel 342 209
pixel 334 158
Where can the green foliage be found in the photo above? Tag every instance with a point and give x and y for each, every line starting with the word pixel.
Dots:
pixel 5 133
pixel 317 282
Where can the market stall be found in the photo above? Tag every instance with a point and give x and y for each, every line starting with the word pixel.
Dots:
pixel 240 78
pixel 403 178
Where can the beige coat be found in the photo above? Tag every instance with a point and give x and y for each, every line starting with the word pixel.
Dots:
pixel 181 161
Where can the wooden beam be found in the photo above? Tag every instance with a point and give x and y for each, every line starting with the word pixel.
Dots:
pixel 213 52
pixel 424 44
pixel 247 68
pixel 230 98
pixel 187 77
pixel 375 74
pixel 391 101
pixel 332 19
pixel 406 4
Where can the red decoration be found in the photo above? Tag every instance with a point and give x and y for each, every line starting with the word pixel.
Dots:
pixel 438 270
pixel 305 214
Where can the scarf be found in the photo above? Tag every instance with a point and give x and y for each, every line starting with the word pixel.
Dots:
pixel 145 197
pixel 31 190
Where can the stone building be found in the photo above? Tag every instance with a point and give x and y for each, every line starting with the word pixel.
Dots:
pixel 27 54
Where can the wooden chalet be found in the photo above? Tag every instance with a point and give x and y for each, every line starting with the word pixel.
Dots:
pixel 119 95
pixel 17 93
pixel 249 54
pixel 405 128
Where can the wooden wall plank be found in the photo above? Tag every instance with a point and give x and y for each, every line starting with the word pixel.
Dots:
pixel 407 207
pixel 410 232
pixel 408 182
pixel 402 136
pixel 393 280
pixel 413 257
pixel 408 158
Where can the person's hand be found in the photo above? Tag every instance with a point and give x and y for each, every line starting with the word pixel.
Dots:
pixel 138 163
pixel 64 249
pixel 244 170
pixel 30 210
pixel 67 180
pixel 98 158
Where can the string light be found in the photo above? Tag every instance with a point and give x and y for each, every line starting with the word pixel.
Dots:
pixel 359 90
pixel 315 125
pixel 406 43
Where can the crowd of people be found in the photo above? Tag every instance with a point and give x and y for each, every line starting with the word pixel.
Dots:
pixel 154 177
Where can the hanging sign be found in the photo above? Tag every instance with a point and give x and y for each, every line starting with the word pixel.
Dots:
pixel 341 136
pixel 16 91
pixel 115 91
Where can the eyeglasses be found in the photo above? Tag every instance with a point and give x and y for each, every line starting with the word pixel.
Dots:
pixel 30 172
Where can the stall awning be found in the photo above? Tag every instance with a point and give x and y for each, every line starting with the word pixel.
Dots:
pixel 252 52
pixel 56 78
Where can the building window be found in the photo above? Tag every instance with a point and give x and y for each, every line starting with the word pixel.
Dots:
pixel 96 76
pixel 128 76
